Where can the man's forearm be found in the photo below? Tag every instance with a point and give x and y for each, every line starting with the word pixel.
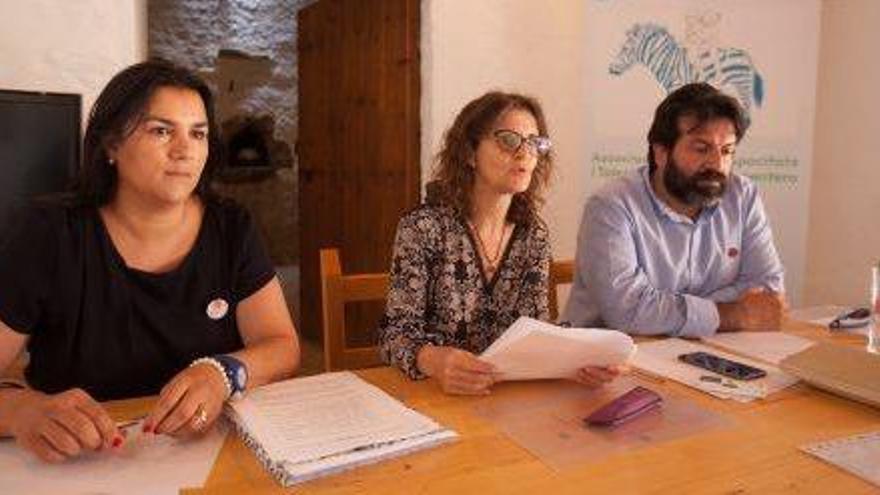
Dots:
pixel 729 314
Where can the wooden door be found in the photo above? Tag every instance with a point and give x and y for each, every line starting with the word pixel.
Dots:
pixel 358 148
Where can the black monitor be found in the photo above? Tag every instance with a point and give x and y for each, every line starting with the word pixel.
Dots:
pixel 39 146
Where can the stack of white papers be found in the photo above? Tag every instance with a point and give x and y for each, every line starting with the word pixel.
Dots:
pixel 308 427
pixel 531 349
pixel 661 358
pixel 770 347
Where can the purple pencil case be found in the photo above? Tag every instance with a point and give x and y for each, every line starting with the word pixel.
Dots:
pixel 624 408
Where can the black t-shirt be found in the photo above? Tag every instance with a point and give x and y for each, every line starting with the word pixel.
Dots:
pixel 112 330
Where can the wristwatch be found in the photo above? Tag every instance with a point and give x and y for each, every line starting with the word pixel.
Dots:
pixel 236 373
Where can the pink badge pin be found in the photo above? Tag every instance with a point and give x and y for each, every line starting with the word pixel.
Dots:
pixel 217 309
pixel 732 252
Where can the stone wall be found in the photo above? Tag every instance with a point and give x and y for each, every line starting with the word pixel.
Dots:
pixel 247 51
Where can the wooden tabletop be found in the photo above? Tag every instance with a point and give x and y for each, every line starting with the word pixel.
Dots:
pixel 753 449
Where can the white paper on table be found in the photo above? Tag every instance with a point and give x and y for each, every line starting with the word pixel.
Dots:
pixel 661 358
pixel 145 464
pixel 824 315
pixel 858 454
pixel 322 421
pixel 531 349
pixel 818 315
pixel 770 347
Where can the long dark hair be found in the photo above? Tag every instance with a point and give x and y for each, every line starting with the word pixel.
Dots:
pixel 116 114
pixel 453 179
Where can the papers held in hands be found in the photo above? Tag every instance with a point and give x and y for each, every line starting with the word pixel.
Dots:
pixel 531 349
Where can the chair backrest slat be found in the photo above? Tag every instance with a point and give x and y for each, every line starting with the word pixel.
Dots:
pixel 337 290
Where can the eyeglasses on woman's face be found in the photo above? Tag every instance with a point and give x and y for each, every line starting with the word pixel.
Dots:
pixel 512 141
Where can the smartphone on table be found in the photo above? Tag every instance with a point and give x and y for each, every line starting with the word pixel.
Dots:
pixel 722 366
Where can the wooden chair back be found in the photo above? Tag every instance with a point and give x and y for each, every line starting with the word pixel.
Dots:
pixel 337 290
pixel 561 273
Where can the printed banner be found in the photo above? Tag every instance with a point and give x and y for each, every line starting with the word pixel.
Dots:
pixel 763 52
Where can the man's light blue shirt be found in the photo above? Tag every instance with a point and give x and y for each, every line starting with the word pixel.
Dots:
pixel 645 269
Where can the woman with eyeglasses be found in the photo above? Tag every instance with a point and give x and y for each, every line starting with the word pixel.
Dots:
pixel 476 255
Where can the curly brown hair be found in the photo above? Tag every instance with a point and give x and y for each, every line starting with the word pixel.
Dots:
pixel 453 177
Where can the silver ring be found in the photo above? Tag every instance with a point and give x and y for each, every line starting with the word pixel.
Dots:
pixel 200 417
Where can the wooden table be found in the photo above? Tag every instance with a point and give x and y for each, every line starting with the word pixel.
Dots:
pixel 756 452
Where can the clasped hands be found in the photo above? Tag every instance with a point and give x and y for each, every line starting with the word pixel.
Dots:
pixel 756 310
pixel 461 372
pixel 56 427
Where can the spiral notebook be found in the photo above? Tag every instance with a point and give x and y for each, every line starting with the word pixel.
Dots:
pixel 858 454
pixel 309 427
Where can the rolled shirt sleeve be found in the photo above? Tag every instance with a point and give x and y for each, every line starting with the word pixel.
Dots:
pixel 614 287
pixel 646 270
pixel 701 317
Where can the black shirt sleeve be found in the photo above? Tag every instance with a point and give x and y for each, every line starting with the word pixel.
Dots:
pixel 28 255
pixel 253 267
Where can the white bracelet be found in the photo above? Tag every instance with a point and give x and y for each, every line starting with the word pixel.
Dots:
pixel 217 366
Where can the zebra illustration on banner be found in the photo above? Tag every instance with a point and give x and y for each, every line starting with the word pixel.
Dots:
pixel 729 69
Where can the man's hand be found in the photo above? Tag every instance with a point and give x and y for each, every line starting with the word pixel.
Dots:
pixel 458 371
pixel 755 310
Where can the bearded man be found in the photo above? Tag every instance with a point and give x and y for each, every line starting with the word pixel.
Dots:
pixel 682 246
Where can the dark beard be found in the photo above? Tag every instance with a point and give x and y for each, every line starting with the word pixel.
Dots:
pixel 699 190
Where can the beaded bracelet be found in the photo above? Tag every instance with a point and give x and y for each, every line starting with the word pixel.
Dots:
pixel 219 367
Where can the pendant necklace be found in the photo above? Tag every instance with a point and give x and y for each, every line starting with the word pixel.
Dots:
pixel 491 262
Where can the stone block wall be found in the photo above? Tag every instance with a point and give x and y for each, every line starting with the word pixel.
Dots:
pixel 246 49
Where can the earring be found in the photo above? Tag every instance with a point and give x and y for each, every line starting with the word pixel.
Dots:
pixel 111 162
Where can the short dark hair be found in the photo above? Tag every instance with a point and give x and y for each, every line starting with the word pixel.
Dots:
pixel 703 102
pixel 453 180
pixel 116 114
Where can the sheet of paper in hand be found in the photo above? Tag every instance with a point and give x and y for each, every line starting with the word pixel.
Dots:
pixel 532 349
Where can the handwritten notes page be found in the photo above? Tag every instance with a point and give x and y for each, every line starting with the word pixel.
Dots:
pixel 311 426
pixel 531 349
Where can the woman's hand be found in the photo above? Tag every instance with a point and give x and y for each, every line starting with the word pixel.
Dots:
pixel 458 371
pixel 60 426
pixel 190 403
pixel 596 376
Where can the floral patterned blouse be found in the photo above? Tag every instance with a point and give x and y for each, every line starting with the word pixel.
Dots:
pixel 438 293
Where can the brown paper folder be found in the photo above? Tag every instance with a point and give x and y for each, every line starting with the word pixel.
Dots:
pixel 848 371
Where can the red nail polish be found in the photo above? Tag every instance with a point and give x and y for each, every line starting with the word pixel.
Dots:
pixel 117 441
pixel 148 428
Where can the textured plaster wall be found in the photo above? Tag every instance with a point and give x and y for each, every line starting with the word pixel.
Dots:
pixel 843 239
pixel 533 47
pixel 36 52
pixel 191 33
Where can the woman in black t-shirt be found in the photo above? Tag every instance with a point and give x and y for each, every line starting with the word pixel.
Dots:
pixel 139 281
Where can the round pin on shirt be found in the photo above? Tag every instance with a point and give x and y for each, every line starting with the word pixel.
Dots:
pixel 217 308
